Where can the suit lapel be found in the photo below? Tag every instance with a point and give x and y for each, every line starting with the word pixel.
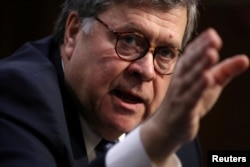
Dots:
pixel 71 114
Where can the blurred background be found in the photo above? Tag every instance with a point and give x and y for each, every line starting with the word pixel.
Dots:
pixel 227 127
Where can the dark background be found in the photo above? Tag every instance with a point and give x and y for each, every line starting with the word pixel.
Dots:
pixel 227 127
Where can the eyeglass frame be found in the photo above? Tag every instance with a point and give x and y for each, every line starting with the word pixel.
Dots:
pixel 151 48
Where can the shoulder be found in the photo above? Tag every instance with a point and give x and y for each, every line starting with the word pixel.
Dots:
pixel 32 55
pixel 31 106
pixel 29 88
pixel 29 65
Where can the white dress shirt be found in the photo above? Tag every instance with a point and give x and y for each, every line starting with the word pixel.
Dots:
pixel 91 139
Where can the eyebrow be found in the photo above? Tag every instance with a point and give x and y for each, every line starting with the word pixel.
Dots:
pixel 131 27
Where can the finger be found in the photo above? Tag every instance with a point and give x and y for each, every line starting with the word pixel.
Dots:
pixel 197 49
pixel 230 68
pixel 196 71
pixel 208 38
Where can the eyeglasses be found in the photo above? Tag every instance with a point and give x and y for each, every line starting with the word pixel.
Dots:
pixel 131 46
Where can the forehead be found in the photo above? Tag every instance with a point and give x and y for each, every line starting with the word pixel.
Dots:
pixel 157 25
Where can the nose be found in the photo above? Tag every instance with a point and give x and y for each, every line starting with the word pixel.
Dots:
pixel 143 67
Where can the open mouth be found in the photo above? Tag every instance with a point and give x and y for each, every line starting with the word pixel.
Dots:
pixel 126 97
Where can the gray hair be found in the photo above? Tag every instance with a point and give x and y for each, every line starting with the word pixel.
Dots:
pixel 90 8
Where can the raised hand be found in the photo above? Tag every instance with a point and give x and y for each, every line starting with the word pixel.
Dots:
pixel 196 85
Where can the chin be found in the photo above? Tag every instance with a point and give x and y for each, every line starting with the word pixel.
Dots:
pixel 113 128
pixel 124 125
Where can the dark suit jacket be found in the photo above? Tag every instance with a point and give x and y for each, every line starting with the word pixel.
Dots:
pixel 39 125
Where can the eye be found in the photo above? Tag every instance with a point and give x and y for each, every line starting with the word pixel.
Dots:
pixel 167 53
pixel 130 44
pixel 128 40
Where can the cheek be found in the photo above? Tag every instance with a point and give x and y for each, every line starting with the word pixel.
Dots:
pixel 93 73
pixel 94 63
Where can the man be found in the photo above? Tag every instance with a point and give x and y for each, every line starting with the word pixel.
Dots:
pixel 117 67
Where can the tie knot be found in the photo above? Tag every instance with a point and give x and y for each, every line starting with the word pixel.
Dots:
pixel 104 146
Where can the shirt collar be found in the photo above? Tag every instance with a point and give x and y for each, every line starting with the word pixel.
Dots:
pixel 91 138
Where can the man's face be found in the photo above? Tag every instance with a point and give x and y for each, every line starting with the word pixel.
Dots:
pixel 117 95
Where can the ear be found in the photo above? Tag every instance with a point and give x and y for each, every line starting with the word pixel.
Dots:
pixel 72 27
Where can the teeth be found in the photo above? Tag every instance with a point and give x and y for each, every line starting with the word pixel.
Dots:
pixel 127 97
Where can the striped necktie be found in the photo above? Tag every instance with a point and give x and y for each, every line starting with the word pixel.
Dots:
pixel 104 146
